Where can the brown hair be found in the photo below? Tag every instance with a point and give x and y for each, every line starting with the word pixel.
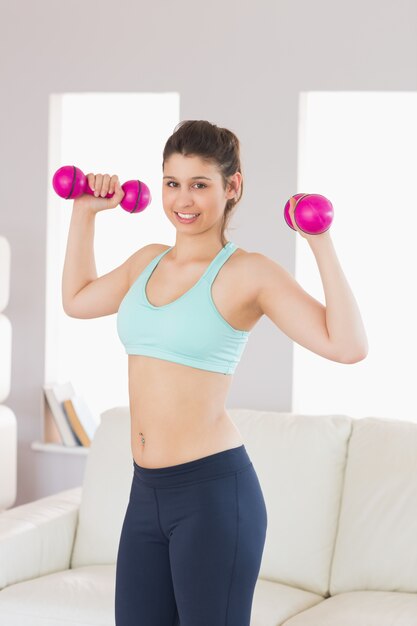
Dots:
pixel 212 144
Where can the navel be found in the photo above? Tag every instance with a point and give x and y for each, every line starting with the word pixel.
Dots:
pixel 142 438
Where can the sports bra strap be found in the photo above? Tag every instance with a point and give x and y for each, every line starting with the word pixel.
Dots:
pixel 150 267
pixel 219 261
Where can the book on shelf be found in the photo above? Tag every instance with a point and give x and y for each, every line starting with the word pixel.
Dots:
pixel 68 419
pixel 81 419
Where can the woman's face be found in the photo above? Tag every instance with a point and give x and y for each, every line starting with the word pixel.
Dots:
pixel 191 186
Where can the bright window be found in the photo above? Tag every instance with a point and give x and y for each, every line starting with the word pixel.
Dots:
pixel 114 133
pixel 358 149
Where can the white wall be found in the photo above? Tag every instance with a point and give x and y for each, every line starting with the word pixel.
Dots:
pixel 237 64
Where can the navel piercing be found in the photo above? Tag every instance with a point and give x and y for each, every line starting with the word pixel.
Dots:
pixel 142 438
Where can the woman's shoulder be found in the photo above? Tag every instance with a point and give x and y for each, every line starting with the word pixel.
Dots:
pixel 142 257
pixel 244 267
pixel 254 259
pixel 249 267
pixel 247 258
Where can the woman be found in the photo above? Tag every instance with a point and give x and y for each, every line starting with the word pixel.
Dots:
pixel 194 530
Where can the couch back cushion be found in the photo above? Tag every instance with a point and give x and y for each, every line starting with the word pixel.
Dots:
pixel 376 544
pixel 300 462
pixel 106 488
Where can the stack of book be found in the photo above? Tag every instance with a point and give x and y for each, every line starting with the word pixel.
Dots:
pixel 68 420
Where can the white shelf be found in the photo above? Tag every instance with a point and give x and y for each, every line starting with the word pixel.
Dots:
pixel 57 447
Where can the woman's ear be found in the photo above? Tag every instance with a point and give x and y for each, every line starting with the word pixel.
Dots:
pixel 234 184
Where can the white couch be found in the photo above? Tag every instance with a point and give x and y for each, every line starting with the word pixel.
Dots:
pixel 341 543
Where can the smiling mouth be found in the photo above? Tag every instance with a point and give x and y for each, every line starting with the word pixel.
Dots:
pixel 187 220
pixel 193 214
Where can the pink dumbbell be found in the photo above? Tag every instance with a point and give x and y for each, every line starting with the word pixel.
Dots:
pixel 313 213
pixel 70 182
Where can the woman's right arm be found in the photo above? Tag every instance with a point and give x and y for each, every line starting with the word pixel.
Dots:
pixel 84 295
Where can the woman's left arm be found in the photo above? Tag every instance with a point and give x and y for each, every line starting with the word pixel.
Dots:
pixel 343 319
pixel 334 331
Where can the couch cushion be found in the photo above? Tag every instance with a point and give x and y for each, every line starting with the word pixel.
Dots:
pixel 361 608
pixel 273 603
pixel 106 487
pixel 74 597
pixel 37 538
pixel 300 462
pixel 376 547
pixel 85 597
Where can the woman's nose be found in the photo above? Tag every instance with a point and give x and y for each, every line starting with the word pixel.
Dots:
pixel 184 198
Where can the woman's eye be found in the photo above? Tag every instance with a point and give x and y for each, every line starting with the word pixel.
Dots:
pixel 172 181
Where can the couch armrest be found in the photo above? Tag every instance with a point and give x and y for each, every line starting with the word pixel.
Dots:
pixel 37 538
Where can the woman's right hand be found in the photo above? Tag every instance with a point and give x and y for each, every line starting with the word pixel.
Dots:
pixel 101 184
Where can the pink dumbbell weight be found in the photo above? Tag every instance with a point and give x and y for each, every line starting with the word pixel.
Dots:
pixel 313 213
pixel 70 182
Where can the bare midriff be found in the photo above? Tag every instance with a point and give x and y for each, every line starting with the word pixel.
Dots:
pixel 177 412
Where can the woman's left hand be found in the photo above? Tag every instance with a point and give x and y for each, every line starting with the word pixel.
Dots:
pixel 293 202
pixel 308 236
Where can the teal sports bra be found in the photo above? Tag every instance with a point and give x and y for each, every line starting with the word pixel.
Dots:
pixel 188 330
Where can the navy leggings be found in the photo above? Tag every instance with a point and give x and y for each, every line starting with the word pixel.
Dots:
pixel 191 543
